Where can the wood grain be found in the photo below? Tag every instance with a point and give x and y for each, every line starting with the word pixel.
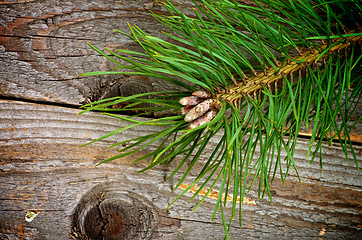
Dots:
pixel 43 169
pixel 44 46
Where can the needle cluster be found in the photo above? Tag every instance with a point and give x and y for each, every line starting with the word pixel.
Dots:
pixel 256 73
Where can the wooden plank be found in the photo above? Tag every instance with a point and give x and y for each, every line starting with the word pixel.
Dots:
pixel 44 47
pixel 43 169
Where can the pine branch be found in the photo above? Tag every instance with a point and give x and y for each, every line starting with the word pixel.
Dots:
pixel 233 94
pixel 243 59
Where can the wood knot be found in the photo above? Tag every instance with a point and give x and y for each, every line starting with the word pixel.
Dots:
pixel 109 213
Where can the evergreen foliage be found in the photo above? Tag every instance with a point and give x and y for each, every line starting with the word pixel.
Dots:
pixel 268 69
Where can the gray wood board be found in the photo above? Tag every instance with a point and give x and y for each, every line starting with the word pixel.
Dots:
pixel 43 47
pixel 43 169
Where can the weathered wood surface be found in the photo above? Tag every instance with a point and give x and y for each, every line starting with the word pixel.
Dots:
pixel 43 49
pixel 42 169
pixel 44 46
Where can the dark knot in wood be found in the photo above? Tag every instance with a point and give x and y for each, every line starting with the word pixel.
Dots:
pixel 106 212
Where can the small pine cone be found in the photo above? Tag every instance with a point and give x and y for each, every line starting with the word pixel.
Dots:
pixel 185 109
pixel 191 100
pixel 198 110
pixel 201 94
pixel 203 119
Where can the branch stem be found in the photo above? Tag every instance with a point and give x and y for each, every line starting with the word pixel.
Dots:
pixel 252 84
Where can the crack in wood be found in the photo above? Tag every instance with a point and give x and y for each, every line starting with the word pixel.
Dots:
pixel 44 36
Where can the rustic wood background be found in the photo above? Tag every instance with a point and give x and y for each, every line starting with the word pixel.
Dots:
pixel 43 47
